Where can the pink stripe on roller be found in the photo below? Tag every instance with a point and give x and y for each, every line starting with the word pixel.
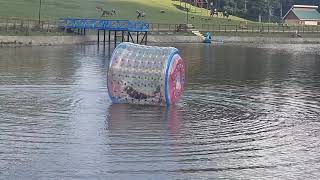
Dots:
pixel 176 79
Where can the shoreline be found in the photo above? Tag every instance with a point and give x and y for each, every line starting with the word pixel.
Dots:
pixel 267 40
pixel 18 41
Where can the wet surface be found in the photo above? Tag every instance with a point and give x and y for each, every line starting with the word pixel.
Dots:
pixel 248 112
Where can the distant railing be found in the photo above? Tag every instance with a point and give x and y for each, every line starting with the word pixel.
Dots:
pixel 24 26
pixel 260 28
pixel 158 27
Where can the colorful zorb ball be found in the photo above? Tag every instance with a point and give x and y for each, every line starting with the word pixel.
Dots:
pixel 150 75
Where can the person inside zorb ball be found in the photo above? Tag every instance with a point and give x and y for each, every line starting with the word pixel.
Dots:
pixel 141 74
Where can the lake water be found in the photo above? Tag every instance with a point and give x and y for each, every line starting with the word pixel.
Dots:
pixel 248 112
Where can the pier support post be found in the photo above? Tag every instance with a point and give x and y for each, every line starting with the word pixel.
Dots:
pixel 128 36
pixel 98 36
pixel 138 38
pixel 115 38
pixel 104 38
pixel 109 38
pixel 146 40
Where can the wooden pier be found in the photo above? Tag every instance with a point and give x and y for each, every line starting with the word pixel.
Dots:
pixel 120 30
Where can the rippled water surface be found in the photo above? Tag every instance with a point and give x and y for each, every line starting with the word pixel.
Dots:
pixel 249 112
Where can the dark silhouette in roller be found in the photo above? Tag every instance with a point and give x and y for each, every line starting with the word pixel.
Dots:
pixel 138 95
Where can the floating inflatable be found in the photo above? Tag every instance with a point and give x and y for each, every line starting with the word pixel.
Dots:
pixel 208 38
pixel 148 75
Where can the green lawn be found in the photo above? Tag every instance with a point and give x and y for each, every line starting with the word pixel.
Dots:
pixel 54 9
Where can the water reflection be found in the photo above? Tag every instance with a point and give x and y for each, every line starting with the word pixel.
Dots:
pixel 143 135
pixel 151 118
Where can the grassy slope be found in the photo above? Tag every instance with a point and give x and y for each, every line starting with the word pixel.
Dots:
pixel 53 9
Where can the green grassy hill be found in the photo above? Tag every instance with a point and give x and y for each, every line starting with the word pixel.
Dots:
pixel 53 9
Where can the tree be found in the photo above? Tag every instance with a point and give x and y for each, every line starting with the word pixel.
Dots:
pixel 258 8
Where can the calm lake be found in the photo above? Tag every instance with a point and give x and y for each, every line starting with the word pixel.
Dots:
pixel 248 112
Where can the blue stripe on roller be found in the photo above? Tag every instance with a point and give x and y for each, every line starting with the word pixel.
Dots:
pixel 169 64
pixel 120 46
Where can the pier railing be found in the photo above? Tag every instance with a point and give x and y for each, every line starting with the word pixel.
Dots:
pixel 102 24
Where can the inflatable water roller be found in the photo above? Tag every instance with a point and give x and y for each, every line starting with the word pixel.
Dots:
pixel 150 75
